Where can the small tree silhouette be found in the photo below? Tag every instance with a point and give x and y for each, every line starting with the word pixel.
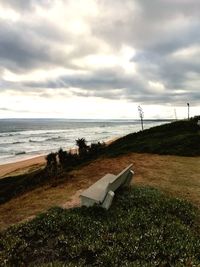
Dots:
pixel 62 157
pixel 141 114
pixel 52 165
pixel 82 147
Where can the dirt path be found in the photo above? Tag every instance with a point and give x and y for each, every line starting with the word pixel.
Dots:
pixel 178 176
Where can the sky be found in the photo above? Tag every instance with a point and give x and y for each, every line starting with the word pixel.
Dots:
pixel 99 58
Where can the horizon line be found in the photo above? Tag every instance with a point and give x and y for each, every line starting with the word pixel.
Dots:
pixel 61 118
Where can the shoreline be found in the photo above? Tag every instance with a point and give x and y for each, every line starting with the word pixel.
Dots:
pixel 30 164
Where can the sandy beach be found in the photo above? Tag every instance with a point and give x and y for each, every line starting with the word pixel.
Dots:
pixel 21 166
pixel 24 166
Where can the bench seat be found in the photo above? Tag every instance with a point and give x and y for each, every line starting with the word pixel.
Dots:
pixel 102 192
pixel 97 191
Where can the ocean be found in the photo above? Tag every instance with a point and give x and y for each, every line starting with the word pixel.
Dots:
pixel 26 138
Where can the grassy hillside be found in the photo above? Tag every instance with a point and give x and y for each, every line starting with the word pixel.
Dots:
pixel 143 228
pixel 177 138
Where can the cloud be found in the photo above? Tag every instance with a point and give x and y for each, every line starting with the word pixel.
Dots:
pixel 24 5
pixel 87 41
pixel 24 48
pixel 113 84
pixel 4 109
pixel 28 45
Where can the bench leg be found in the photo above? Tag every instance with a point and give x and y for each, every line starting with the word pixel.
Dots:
pixel 128 179
pixel 87 202
pixel 108 200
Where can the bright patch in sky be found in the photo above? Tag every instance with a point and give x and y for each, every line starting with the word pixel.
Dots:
pixel 9 14
pixel 156 86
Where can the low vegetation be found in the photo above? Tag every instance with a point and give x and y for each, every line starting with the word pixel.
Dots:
pixel 66 160
pixel 144 227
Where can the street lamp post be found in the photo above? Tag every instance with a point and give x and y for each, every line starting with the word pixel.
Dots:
pixel 188 104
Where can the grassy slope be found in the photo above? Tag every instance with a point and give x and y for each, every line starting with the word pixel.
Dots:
pixel 143 228
pixel 177 138
pixel 177 176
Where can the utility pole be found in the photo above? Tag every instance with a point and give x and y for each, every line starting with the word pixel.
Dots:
pixel 141 114
pixel 188 104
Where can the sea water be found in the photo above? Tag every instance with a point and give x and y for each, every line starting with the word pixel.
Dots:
pixel 25 138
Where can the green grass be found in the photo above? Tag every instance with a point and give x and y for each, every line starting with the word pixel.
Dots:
pixel 180 138
pixel 143 227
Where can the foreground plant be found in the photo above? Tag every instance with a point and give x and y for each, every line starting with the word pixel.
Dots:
pixel 143 228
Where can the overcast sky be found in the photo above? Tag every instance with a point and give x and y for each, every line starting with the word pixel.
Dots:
pixel 99 58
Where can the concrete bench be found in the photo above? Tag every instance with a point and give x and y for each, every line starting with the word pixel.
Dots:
pixel 102 192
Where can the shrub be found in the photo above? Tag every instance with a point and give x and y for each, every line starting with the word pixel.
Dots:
pixel 82 147
pixel 67 159
pixel 52 164
pixel 95 149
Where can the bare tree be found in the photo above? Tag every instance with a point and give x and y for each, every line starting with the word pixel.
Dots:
pixel 141 114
